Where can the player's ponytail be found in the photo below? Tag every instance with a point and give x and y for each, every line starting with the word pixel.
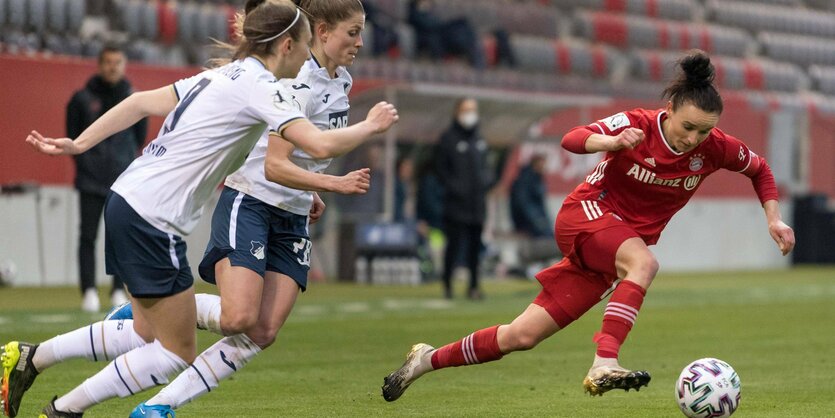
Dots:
pixel 694 84
pixel 262 23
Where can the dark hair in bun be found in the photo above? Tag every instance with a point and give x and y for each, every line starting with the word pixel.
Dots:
pixel 694 84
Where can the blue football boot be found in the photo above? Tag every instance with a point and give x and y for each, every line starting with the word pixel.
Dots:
pixel 123 311
pixel 152 411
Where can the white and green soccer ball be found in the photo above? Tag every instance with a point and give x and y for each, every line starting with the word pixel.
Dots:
pixel 708 387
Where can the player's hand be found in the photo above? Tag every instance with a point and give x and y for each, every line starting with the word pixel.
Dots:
pixel 783 235
pixel 317 210
pixel 355 182
pixel 52 146
pixel 628 138
pixel 382 116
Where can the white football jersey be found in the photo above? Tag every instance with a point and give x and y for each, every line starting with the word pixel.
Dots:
pixel 219 118
pixel 324 101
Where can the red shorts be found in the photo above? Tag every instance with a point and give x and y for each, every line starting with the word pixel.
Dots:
pixel 589 234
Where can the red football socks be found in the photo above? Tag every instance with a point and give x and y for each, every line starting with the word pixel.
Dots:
pixel 479 347
pixel 619 318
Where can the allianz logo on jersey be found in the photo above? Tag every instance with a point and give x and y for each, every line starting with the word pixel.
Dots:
pixel 338 120
pixel 643 175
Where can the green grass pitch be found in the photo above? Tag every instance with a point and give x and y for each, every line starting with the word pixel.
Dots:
pixel 777 329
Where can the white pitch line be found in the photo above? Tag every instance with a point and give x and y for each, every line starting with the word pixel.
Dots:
pixel 354 307
pixel 50 319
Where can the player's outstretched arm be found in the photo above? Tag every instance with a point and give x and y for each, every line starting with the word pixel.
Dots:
pixel 781 233
pixel 137 106
pixel 335 142
pixel 279 169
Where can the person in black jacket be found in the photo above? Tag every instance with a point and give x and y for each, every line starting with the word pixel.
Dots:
pixel 97 169
pixel 461 164
pixel 527 201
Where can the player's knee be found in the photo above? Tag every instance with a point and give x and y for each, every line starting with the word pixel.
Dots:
pixel 642 269
pixel 237 322
pixel 262 338
pixel 522 341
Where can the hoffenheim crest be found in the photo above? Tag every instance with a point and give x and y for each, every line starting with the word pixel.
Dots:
pixel 257 249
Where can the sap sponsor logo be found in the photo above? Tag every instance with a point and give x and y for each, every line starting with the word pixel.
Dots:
pixel 155 150
pixel 616 122
pixel 257 249
pixel 691 182
pixel 338 120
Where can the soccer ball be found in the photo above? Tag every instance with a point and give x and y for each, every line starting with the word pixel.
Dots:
pixel 708 387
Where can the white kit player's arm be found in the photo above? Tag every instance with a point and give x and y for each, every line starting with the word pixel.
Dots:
pixel 139 105
pixel 279 169
pixel 335 142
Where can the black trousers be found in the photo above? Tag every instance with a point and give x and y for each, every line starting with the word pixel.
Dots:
pixel 462 240
pixel 91 207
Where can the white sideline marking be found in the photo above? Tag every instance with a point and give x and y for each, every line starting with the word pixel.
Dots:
pixel 311 310
pixel 353 307
pixel 50 319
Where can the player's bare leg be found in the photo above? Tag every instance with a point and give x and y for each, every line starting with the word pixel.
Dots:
pixel 525 332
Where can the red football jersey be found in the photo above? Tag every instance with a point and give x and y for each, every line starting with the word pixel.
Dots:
pixel 647 185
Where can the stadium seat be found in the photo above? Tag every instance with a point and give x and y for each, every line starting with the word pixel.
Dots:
pixel 664 9
pixel 186 17
pixel 731 73
pixel 631 31
pixel 148 20
pixel 16 14
pixel 167 15
pixel 57 15
pixel 821 4
pixel 92 47
pixel 36 15
pixel 801 50
pixel 757 17
pixel 76 11
pixel 398 9
pixel 202 24
pixel 824 78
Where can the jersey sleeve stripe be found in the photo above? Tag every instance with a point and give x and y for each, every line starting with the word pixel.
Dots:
pixel 751 157
pixel 280 130
pixel 176 93
pixel 602 132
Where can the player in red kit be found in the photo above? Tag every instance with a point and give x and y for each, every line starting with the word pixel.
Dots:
pixel 655 160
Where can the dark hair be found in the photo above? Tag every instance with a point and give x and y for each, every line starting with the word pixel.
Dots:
pixel 694 84
pixel 331 12
pixel 261 21
pixel 109 49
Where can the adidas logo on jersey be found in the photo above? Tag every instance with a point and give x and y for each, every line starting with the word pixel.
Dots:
pixel 650 161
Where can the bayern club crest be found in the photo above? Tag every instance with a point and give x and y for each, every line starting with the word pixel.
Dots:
pixel 697 162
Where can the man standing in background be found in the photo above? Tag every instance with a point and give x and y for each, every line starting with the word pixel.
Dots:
pixel 97 169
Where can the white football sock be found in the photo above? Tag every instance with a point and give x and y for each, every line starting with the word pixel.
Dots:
pixel 208 312
pixel 137 370
pixel 102 341
pixel 218 362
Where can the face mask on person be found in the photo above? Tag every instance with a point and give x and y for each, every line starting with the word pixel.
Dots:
pixel 468 119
